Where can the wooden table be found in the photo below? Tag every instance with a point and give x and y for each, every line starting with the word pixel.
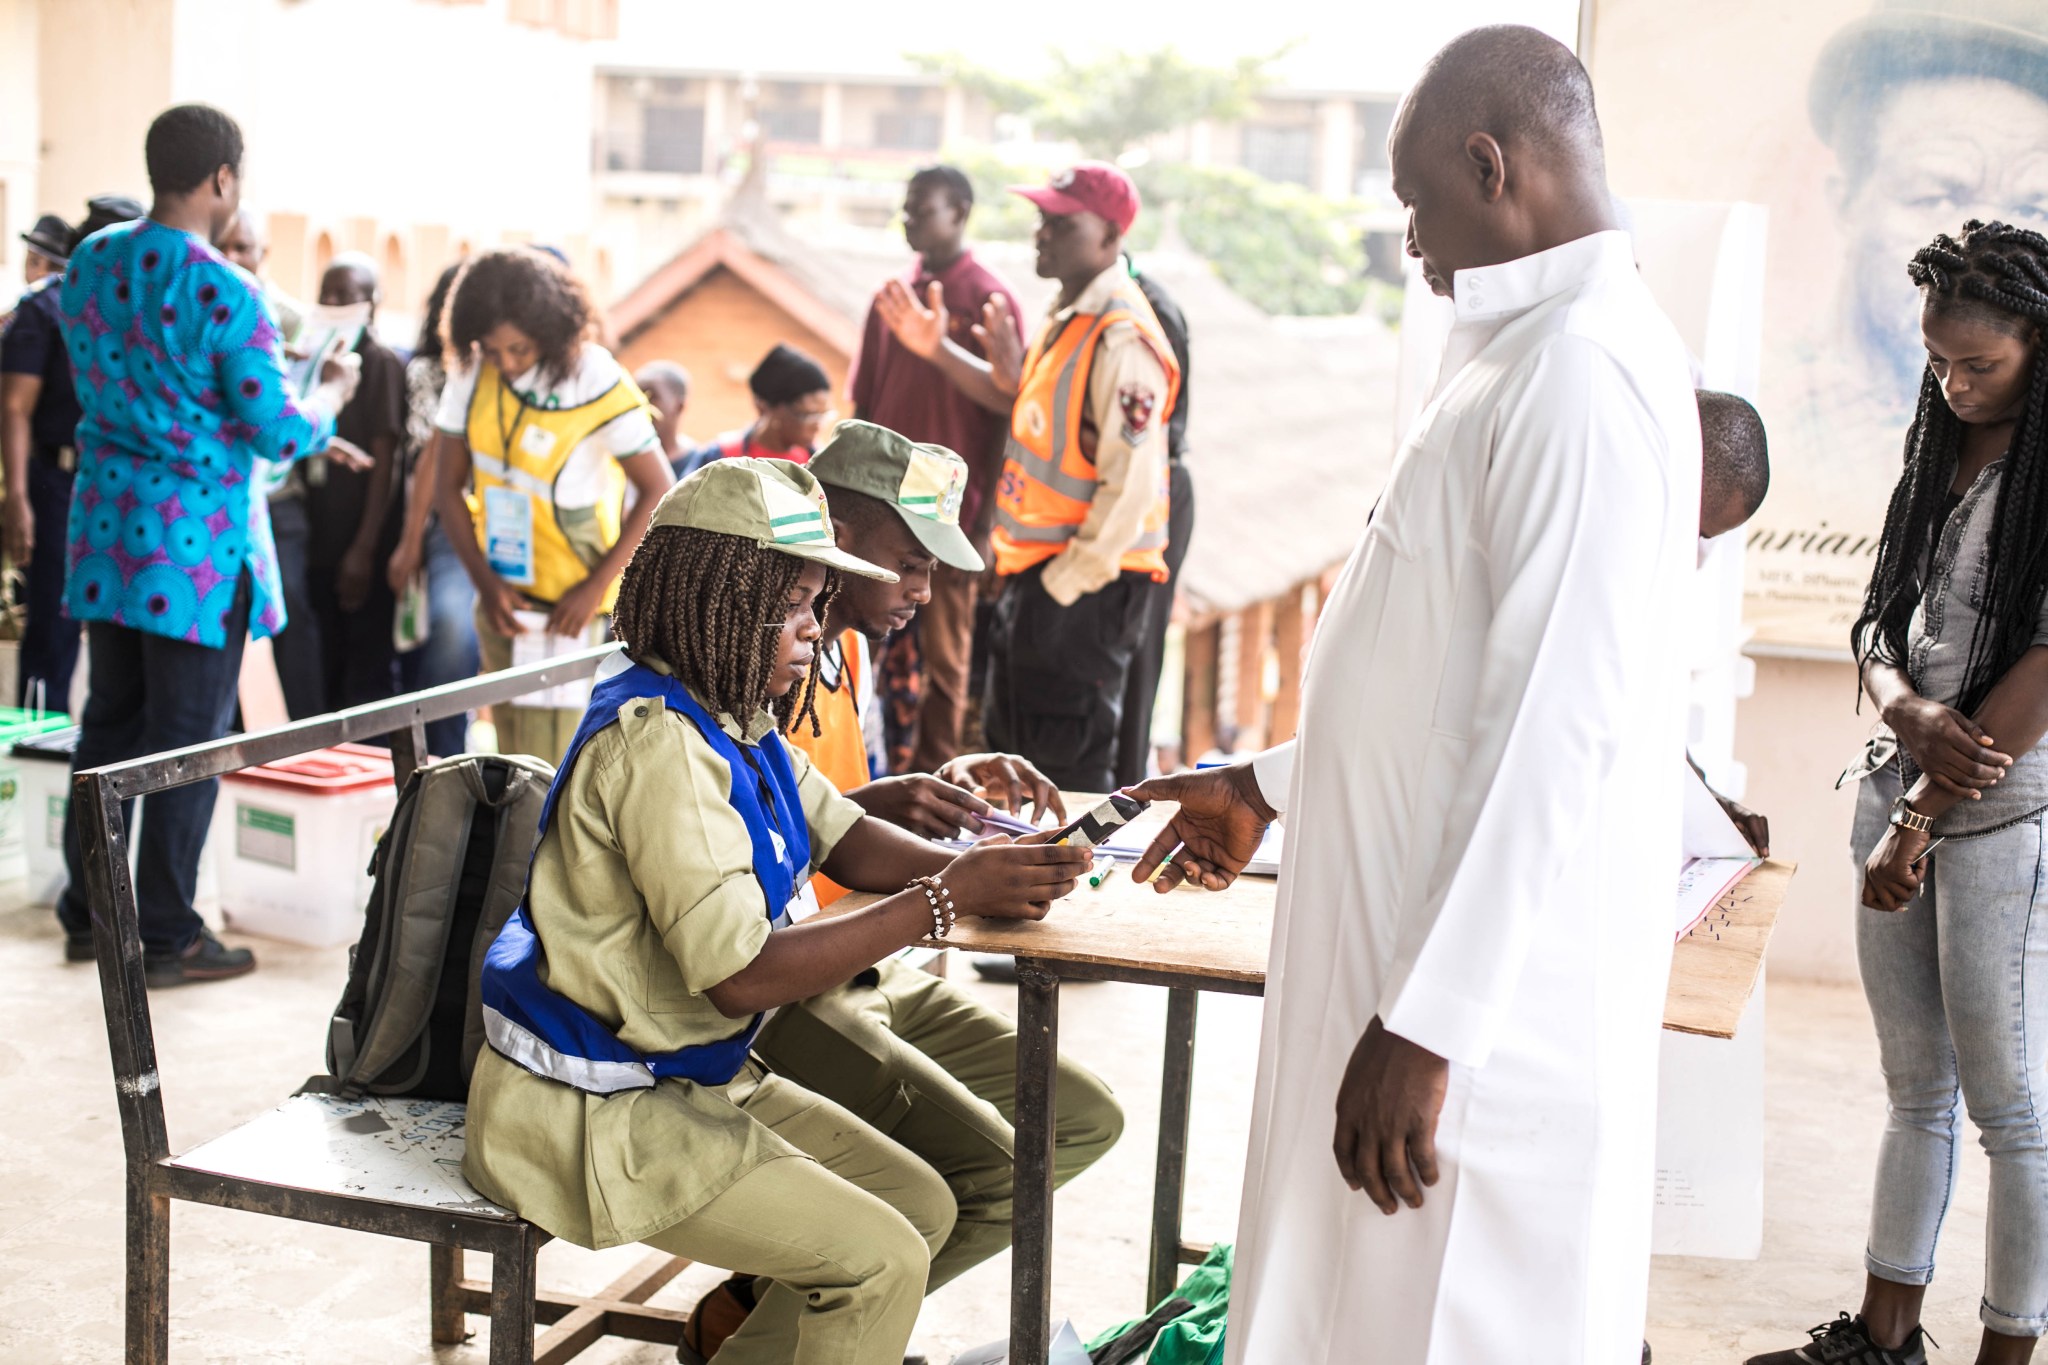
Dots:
pixel 1191 941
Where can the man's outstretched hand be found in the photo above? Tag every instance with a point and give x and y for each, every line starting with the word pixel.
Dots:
pixel 1387 1108
pixel 1215 832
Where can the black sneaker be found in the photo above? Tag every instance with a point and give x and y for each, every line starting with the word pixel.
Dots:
pixel 208 959
pixel 78 948
pixel 1846 1341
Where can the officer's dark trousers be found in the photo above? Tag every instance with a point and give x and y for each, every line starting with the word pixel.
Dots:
pixel 1134 745
pixel 296 650
pixel 1057 676
pixel 49 639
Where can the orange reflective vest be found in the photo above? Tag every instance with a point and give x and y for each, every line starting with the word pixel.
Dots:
pixel 839 750
pixel 1049 477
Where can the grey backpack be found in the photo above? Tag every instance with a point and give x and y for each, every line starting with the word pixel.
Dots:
pixel 449 872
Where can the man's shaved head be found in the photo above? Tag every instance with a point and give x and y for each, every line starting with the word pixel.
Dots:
pixel 1496 153
pixel 349 278
pixel 242 241
pixel 1517 83
pixel 664 381
pixel 1735 462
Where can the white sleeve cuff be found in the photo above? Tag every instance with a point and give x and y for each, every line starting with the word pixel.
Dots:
pixel 1273 770
pixel 1455 1026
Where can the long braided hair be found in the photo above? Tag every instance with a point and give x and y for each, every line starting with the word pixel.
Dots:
pixel 710 606
pixel 1998 274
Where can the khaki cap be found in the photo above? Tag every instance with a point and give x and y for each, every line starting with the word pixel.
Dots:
pixel 774 503
pixel 924 483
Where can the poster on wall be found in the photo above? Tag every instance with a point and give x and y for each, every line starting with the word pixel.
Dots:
pixel 1865 129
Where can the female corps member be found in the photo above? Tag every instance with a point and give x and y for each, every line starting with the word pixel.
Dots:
pixel 550 430
pixel 663 922
pixel 1953 940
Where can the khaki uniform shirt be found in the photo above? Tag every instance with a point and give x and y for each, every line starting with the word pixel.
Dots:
pixel 643 895
pixel 1130 464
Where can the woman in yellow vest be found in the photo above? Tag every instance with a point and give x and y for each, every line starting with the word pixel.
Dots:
pixel 539 433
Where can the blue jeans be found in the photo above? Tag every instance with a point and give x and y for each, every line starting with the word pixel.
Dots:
pixel 1958 987
pixel 146 694
pixel 450 652
pixel 49 638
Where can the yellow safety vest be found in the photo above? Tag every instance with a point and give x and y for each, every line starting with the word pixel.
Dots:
pixel 1049 476
pixel 517 452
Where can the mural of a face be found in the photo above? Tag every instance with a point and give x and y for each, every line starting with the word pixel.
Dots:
pixel 1930 154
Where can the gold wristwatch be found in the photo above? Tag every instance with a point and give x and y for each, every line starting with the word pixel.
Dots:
pixel 1905 817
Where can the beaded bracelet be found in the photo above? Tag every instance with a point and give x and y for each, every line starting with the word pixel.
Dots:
pixel 940 897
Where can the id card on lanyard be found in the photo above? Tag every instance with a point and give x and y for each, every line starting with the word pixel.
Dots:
pixel 508 534
pixel 508 512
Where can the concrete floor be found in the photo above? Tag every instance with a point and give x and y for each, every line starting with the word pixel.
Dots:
pixel 247 1288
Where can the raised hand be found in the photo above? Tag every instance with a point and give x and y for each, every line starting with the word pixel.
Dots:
pixel 997 333
pixel 919 327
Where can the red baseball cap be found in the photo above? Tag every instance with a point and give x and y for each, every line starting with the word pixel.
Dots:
pixel 1088 187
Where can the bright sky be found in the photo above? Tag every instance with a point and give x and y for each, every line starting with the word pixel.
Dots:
pixel 1375 46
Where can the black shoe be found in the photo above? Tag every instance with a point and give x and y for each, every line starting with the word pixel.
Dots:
pixel 1646 1353
pixel 208 959
pixel 78 948
pixel 1846 1341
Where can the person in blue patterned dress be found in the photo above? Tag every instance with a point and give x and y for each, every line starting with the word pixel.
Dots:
pixel 181 376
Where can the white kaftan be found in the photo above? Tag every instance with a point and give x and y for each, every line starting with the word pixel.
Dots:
pixel 1482 815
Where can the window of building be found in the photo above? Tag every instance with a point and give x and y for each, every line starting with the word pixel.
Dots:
pixel 1375 121
pixel 908 129
pixel 791 123
pixel 396 286
pixel 672 139
pixel 1280 152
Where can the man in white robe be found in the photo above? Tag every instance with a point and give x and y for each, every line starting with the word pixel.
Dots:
pixel 1482 806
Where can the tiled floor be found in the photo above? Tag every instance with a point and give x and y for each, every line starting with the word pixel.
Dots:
pixel 246 1288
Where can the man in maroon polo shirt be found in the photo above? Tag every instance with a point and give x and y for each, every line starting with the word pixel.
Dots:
pixel 895 388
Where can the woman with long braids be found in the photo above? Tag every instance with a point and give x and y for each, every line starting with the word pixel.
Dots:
pixel 664 919
pixel 1953 935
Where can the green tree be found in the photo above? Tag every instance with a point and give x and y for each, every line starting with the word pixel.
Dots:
pixel 1283 247
pixel 1111 103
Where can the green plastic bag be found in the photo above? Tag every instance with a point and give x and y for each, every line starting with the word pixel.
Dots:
pixel 1196 1336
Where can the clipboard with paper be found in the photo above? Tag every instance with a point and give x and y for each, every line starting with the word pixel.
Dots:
pixel 1715 856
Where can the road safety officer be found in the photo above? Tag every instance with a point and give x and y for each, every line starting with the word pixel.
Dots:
pixel 1081 509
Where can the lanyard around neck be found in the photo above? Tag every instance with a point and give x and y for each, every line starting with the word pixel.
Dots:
pixel 505 434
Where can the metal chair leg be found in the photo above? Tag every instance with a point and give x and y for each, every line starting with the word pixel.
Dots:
pixel 149 1277
pixel 513 1286
pixel 450 1325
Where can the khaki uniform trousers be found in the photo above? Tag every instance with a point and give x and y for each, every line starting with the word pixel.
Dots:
pixel 842 1243
pixel 919 1060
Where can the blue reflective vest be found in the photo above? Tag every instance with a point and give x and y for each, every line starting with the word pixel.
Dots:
pixel 549 1034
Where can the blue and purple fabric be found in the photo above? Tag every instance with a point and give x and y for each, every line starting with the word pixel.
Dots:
pixel 180 370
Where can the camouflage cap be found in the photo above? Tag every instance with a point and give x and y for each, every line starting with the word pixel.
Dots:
pixel 924 483
pixel 774 503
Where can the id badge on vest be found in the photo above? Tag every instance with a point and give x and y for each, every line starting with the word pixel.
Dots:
pixel 508 534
